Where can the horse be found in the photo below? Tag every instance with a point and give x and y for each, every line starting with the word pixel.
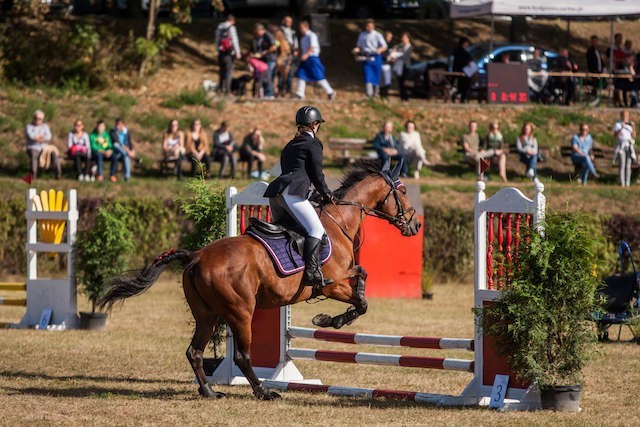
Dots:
pixel 231 277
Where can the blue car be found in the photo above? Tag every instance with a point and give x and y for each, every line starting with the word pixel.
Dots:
pixel 482 55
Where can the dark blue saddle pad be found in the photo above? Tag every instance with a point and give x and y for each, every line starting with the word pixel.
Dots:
pixel 284 255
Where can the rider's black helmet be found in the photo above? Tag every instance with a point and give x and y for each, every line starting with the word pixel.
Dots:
pixel 307 116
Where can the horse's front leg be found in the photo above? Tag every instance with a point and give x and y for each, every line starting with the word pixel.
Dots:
pixel 351 290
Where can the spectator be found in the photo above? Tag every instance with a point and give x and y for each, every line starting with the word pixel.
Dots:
pixel 39 148
pixel 369 47
pixel 595 63
pixel 411 148
pixel 173 146
pixel 228 48
pixel 292 39
pixel 311 69
pixel 627 93
pixel 472 153
pixel 625 134
pixel 581 144
pixel 537 76
pixel 618 52
pixel 102 149
pixel 461 64
pixel 79 149
pixel 122 146
pixel 284 60
pixel 264 48
pixel 400 57
pixel 567 83
pixel 527 146
pixel 495 149
pixel 260 72
pixel 387 147
pixel 251 150
pixel 385 76
pixel 197 149
pixel 224 147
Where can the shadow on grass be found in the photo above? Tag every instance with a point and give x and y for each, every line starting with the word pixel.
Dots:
pixel 356 402
pixel 101 378
pixel 95 392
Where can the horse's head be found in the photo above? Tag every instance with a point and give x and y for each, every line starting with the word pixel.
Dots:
pixel 395 206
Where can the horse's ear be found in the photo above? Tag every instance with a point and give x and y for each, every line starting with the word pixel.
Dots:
pixel 395 173
pixel 386 165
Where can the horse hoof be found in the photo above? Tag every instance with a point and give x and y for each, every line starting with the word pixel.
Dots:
pixel 267 395
pixel 210 394
pixel 322 320
pixel 338 322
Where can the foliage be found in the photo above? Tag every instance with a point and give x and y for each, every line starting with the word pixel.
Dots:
pixel 448 247
pixel 540 321
pixel 102 251
pixel 149 49
pixel 194 97
pixel 207 209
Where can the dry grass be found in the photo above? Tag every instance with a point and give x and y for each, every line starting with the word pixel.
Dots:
pixel 135 373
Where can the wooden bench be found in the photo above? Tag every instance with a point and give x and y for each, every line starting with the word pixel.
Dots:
pixel 602 156
pixel 347 150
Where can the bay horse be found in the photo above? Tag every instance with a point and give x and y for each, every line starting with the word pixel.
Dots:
pixel 231 277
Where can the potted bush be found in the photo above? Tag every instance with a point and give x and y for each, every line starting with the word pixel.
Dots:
pixel 101 252
pixel 540 322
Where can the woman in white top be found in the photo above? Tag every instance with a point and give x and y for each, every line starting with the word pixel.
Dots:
pixel 625 134
pixel 173 146
pixel 79 149
pixel 411 146
pixel 527 146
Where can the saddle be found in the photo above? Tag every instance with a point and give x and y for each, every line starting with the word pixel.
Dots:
pixel 284 243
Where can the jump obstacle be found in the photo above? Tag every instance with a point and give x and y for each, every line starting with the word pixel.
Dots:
pixel 499 224
pixel 51 228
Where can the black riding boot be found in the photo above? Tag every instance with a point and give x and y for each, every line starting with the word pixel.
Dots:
pixel 312 275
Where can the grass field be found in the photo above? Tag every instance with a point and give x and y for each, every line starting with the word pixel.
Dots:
pixel 135 372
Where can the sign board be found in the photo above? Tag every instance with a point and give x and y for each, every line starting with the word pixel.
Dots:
pixel 507 84
pixel 499 391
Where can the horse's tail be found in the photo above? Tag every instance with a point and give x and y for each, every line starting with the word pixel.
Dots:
pixel 123 287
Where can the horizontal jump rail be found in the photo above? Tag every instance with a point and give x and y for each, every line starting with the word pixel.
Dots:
pixel 377 339
pixel 369 393
pixel 13 286
pixel 381 359
pixel 13 301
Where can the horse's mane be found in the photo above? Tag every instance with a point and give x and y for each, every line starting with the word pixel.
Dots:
pixel 359 171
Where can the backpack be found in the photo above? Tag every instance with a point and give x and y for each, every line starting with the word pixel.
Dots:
pixel 225 44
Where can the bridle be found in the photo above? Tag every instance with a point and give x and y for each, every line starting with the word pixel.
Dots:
pixel 399 220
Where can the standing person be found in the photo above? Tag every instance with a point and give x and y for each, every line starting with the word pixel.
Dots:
pixel 264 48
pixel 79 149
pixel 228 47
pixel 461 59
pixel 301 162
pixel 527 146
pixel 224 147
pixel 568 83
pixel 400 59
pixel 197 149
pixel 411 147
pixel 251 151
pixel 370 46
pixel 625 134
pixel 292 39
pixel 595 62
pixel 284 59
pixel 387 147
pixel 173 146
pixel 122 146
pixel 385 76
pixel 102 149
pixel 496 150
pixel 39 148
pixel 311 69
pixel 581 144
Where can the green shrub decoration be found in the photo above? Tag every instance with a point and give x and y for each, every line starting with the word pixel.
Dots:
pixel 102 251
pixel 541 321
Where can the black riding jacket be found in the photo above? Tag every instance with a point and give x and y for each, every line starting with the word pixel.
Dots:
pixel 301 163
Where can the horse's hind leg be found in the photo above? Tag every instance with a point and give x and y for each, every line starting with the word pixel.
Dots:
pixel 242 357
pixel 347 292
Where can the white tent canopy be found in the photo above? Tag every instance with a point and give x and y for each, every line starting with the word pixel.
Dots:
pixel 474 8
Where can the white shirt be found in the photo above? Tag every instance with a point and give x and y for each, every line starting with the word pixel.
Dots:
pixel 410 142
pixel 290 36
pixel 370 42
pixel 624 132
pixel 310 41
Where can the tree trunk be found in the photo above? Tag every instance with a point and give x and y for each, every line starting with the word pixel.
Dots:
pixel 151 31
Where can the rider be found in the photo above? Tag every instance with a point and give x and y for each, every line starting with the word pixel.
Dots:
pixel 301 162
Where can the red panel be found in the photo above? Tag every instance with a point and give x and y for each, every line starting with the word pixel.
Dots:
pixel 265 345
pixel 393 262
pixel 494 364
